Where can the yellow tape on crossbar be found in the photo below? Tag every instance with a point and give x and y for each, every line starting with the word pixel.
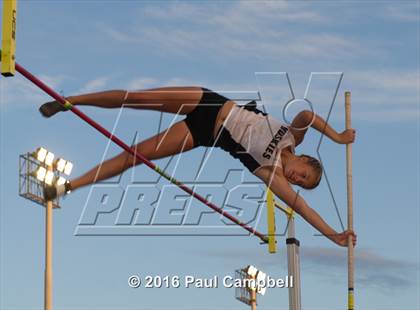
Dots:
pixel 8 41
pixel 271 222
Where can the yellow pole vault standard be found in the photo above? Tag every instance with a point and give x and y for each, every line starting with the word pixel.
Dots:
pixel 350 258
pixel 292 244
pixel 8 41
pixel 271 222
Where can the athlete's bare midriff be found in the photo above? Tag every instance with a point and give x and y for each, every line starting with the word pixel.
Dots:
pixel 222 115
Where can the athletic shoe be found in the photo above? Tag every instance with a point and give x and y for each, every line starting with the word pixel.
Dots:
pixel 48 109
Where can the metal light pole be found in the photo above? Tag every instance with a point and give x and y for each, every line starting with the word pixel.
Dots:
pixel 253 299
pixel 36 171
pixel 48 280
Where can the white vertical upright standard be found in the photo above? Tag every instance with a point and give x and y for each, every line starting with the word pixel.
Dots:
pixel 293 260
pixel 293 263
pixel 350 258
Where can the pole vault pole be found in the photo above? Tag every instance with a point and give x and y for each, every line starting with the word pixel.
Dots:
pixel 132 151
pixel 350 258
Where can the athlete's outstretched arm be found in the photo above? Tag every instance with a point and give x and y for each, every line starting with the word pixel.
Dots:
pixel 306 119
pixel 281 188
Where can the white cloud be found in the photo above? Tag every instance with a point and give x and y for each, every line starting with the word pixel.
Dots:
pixel 373 269
pixel 236 14
pixel 327 263
pixel 118 35
pixel 377 96
pixel 272 30
pixel 387 81
pixel 240 29
pixel 388 115
pixel 142 83
pixel 19 92
pixel 179 81
pixel 94 85
pixel 385 96
pixel 406 11
pixel 52 81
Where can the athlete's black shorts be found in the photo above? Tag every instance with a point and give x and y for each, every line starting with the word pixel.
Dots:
pixel 202 119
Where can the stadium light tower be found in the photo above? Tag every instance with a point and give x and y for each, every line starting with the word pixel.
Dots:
pixel 36 171
pixel 252 283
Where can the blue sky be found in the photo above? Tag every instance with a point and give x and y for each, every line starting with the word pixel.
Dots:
pixel 93 45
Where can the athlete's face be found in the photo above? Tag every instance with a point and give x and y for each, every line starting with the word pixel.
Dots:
pixel 299 172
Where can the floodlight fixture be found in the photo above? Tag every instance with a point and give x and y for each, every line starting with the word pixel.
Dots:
pixel 40 169
pixel 60 164
pixel 40 174
pixel 252 271
pixel 63 166
pixel 41 154
pixel 261 290
pixel 49 178
pixel 261 276
pixel 261 282
pixel 254 283
pixel 61 181
pixel 68 168
pixel 49 159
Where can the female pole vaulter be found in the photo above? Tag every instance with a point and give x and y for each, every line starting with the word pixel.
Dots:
pixel 264 145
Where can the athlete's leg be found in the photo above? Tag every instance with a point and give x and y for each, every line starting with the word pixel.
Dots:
pixel 180 100
pixel 176 139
